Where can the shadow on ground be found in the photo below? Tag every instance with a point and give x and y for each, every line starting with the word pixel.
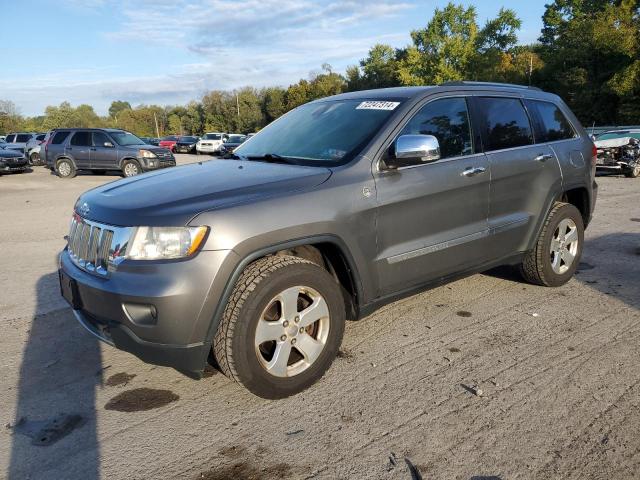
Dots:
pixel 55 415
pixel 610 264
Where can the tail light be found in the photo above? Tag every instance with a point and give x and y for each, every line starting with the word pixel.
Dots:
pixel 594 155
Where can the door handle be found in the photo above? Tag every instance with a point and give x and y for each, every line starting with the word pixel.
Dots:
pixel 93 149
pixel 471 171
pixel 543 157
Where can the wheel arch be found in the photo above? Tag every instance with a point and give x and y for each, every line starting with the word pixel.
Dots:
pixel 128 157
pixel 335 254
pixel 579 198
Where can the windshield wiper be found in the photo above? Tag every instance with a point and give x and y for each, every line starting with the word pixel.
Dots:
pixel 272 158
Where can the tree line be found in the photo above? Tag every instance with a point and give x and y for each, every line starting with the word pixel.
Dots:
pixel 588 52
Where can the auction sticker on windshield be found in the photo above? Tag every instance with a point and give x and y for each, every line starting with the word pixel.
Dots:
pixel 377 105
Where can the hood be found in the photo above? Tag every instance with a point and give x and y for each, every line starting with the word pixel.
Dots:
pixel 10 153
pixel 175 195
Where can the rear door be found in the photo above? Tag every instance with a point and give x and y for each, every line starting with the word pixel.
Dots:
pixel 104 153
pixel 432 217
pixel 524 176
pixel 55 147
pixel 79 148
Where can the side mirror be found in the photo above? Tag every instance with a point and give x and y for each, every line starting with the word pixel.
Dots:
pixel 108 144
pixel 419 148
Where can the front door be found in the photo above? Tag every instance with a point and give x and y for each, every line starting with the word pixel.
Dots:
pixel 79 149
pixel 432 217
pixel 104 154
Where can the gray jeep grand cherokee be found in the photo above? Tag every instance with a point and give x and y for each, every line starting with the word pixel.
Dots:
pixel 338 207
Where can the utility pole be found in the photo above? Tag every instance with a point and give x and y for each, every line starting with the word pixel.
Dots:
pixel 238 104
pixel 155 119
pixel 530 67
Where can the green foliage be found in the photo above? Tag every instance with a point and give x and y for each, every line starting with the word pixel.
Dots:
pixel 117 106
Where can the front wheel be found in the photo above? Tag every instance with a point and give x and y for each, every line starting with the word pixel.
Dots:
pixel 555 257
pixel 35 160
pixel 131 168
pixel 281 328
pixel 633 172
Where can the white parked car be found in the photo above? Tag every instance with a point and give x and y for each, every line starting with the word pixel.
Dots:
pixel 210 142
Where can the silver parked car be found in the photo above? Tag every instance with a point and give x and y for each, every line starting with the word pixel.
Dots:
pixel 32 149
pixel 338 207
pixel 18 141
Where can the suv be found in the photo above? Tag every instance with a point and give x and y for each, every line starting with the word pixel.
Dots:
pixel 338 207
pixel 18 141
pixel 210 142
pixel 68 150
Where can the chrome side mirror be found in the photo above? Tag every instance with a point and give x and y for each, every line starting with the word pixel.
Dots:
pixel 108 144
pixel 419 148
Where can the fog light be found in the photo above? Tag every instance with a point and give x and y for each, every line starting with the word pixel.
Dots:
pixel 141 314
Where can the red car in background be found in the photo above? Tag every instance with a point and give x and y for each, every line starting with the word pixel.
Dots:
pixel 169 142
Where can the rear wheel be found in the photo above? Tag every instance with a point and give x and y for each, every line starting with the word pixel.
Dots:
pixel 131 168
pixel 554 259
pixel 281 328
pixel 65 168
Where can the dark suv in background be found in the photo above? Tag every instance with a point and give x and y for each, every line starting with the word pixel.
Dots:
pixel 338 207
pixel 68 150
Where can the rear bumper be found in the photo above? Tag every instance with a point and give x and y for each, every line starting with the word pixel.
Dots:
pixel 159 312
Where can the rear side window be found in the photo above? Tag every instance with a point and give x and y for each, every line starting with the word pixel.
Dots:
pixel 506 123
pixel 40 137
pixel 81 139
pixel 59 137
pixel 23 138
pixel 10 138
pixel 554 125
pixel 447 120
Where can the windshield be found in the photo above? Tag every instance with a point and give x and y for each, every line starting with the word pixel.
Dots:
pixel 330 132
pixel 235 139
pixel 170 138
pixel 611 135
pixel 188 139
pixel 126 138
pixel 212 136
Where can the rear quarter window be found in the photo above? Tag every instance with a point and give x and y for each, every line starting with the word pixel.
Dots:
pixel 506 123
pixel 23 138
pixel 10 138
pixel 554 125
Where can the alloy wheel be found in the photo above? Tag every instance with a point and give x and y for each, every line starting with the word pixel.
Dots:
pixel 564 246
pixel 292 331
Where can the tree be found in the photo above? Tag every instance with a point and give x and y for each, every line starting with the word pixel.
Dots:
pixel 117 106
pixel 10 118
pixel 378 70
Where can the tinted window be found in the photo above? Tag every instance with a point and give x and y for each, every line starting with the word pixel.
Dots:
pixel 448 121
pixel 212 136
pixel 328 132
pixel 236 139
pixel 41 137
pixel 188 139
pixel 59 137
pixel 23 138
pixel 506 123
pixel 171 138
pixel 81 139
pixel 100 138
pixel 125 138
pixel 10 138
pixel 555 125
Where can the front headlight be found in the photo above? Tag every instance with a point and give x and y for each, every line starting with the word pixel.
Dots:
pixel 162 243
pixel 146 154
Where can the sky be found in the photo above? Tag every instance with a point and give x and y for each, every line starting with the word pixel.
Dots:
pixel 172 51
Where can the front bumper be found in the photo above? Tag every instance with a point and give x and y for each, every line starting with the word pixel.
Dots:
pixel 208 148
pixel 158 311
pixel 150 164
pixel 184 149
pixel 14 165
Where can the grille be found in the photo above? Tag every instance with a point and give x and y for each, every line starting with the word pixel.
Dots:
pixel 89 245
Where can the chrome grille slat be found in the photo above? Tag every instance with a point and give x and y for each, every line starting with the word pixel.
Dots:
pixel 90 244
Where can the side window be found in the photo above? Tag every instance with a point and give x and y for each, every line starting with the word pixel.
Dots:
pixel 447 120
pixel 40 137
pixel 10 138
pixel 81 139
pixel 100 138
pixel 555 125
pixel 59 137
pixel 23 138
pixel 506 123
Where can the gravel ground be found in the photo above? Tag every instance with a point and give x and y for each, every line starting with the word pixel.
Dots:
pixel 484 378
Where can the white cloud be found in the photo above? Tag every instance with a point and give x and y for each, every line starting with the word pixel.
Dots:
pixel 247 42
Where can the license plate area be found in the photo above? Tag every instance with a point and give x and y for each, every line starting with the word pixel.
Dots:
pixel 69 290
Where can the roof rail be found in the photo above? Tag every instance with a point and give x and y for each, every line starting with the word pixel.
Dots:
pixel 466 83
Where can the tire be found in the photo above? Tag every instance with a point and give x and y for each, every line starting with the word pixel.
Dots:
pixel 65 168
pixel 555 258
pixel 131 168
pixel 633 172
pixel 243 358
pixel 34 159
